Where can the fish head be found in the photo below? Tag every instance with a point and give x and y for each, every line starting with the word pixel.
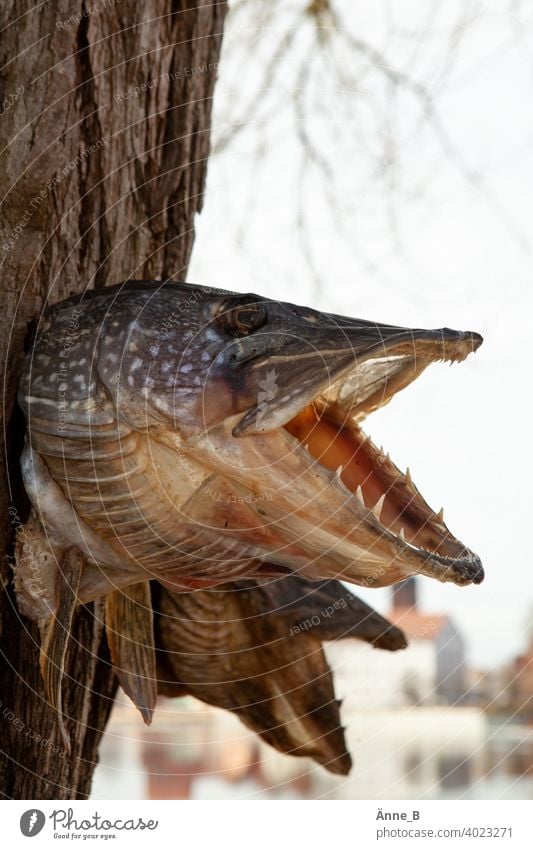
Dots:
pixel 281 402
pixel 268 400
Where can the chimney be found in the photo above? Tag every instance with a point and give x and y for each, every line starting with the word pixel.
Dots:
pixel 404 594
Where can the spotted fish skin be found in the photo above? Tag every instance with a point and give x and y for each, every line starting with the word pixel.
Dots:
pixel 96 391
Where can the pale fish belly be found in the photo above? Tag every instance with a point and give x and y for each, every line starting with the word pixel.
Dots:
pixel 141 498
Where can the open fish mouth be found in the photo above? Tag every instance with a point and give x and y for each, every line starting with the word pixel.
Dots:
pixel 392 523
pixel 231 446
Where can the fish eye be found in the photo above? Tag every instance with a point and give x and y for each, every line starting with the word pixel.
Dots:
pixel 242 318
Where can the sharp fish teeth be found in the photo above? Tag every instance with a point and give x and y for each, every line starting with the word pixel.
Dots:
pixel 338 471
pixel 359 495
pixel 378 507
pixel 440 515
pixel 402 533
pixel 408 477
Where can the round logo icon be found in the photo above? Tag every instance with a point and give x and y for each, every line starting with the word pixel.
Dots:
pixel 32 822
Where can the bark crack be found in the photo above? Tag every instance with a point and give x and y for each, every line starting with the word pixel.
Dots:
pixel 92 213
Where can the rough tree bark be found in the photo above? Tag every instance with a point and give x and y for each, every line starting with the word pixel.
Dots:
pixel 104 139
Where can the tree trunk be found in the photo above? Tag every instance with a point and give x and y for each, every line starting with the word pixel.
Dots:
pixel 104 140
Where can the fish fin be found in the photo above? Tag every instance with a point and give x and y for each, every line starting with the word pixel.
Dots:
pixel 247 663
pixel 56 634
pixel 130 634
pixel 332 612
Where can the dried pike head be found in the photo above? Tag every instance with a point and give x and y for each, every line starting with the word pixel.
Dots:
pixel 197 437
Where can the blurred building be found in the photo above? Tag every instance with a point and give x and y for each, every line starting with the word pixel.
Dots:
pixel 515 690
pixel 430 671
pixel 408 726
pixel 195 752
pixel 409 753
pixel 192 751
pixel 409 729
pixel 434 634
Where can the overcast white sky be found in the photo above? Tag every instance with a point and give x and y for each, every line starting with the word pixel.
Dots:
pixel 462 258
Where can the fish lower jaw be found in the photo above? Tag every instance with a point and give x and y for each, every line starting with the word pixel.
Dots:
pixel 389 513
